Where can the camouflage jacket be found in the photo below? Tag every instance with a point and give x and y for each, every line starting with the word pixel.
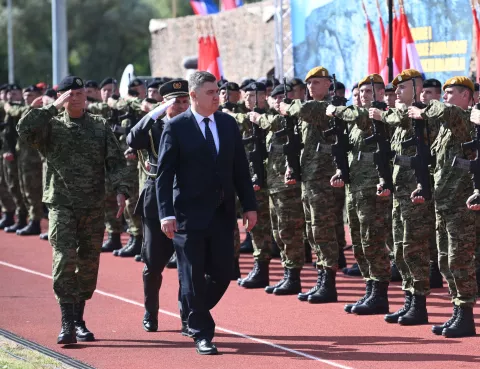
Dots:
pixel 363 174
pixel 314 164
pixel 79 153
pixel 452 185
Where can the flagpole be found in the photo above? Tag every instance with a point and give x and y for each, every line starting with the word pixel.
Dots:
pixel 390 41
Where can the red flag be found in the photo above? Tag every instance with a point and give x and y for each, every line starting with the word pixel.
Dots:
pixel 214 65
pixel 204 47
pixel 209 57
pixel 410 57
pixel 383 33
pixel 373 66
pixel 477 33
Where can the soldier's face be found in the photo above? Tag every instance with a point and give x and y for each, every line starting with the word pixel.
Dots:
pixel 318 87
pixel 76 102
pixel 92 92
pixel 404 92
pixel 3 95
pixel 429 93
pixel 142 91
pixel 250 99
pixel 299 92
pixel 30 96
pixel 180 105
pixel 154 94
pixel 366 95
pixel 390 98
pixel 456 96
pixel 278 100
pixel 107 91
pixel 205 98
pixel 14 95
pixel 356 97
pixel 223 96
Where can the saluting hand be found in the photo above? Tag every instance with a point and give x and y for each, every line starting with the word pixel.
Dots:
pixel 38 102
pixel 249 220
pixel 121 204
pixel 62 99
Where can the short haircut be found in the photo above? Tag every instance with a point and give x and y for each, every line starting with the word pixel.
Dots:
pixel 462 89
pixel 197 79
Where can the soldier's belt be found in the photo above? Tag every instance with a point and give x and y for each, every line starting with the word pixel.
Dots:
pixel 274 147
pixel 402 160
pixel 365 156
pixel 461 163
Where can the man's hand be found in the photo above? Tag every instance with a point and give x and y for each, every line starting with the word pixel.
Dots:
pixel 415 196
pixel 288 179
pixel 381 191
pixel 121 204
pixel 254 117
pixel 249 220
pixel 111 102
pixel 169 226
pixel 7 107
pixel 146 106
pixel 256 187
pixel 38 102
pixel 336 180
pixel 284 108
pixel 130 154
pixel 473 202
pixel 8 156
pixel 475 116
pixel 62 99
pixel 147 166
pixel 375 114
pixel 47 100
pixel 330 110
pixel 415 113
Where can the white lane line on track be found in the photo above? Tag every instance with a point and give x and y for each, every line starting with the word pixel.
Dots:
pixel 246 336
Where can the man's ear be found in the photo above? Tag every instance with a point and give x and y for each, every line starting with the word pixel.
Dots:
pixel 192 94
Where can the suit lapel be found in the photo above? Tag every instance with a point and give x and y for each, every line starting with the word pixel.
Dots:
pixel 222 135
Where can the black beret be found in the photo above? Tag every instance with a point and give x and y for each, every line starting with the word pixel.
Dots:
pixel 476 87
pixel 221 82
pixel 31 88
pixel 174 88
pixel 91 83
pixel 245 83
pixel 3 87
pixel 135 82
pixel 432 83
pixel 51 93
pixel 108 81
pixel 272 82
pixel 13 86
pixel 355 86
pixel 340 86
pixel 296 82
pixel 280 90
pixel 70 83
pixel 155 83
pixel 231 86
pixel 390 87
pixel 256 86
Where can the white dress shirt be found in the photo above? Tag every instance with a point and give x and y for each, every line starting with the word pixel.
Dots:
pixel 213 127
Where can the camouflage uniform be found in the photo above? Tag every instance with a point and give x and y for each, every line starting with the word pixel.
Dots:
pixel 454 221
pixel 262 232
pixel 6 201
pixel 319 202
pixel 79 153
pixel 286 212
pixel 412 223
pixel 371 254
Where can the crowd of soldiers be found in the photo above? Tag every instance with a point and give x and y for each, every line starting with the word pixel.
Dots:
pixel 386 158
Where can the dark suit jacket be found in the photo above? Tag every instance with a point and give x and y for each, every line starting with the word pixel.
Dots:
pixel 186 167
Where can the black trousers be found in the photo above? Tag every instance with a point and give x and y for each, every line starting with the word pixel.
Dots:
pixel 205 266
pixel 156 252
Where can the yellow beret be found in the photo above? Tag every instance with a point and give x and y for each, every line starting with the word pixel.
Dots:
pixel 459 81
pixel 317 72
pixel 406 75
pixel 377 79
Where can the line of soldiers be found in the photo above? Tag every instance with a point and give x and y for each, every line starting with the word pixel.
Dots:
pixel 291 131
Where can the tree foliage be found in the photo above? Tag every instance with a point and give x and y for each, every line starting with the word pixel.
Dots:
pixel 103 37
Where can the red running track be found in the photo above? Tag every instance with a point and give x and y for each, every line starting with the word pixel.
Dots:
pixel 254 330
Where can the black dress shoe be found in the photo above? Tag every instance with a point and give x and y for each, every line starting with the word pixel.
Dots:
pixel 246 246
pixel 138 258
pixel 206 347
pixel 150 325
pixel 44 236
pixel 185 331
pixel 172 263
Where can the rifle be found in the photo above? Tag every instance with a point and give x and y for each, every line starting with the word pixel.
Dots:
pixel 259 152
pixel 132 118
pixel 423 158
pixel 472 166
pixel 342 145
pixel 294 145
pixel 384 153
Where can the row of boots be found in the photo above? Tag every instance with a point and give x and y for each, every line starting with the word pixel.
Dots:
pixel 114 244
pixel 73 326
pixel 20 227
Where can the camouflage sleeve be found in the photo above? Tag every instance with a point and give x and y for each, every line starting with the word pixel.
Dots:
pixel 240 117
pixel 312 112
pixel 452 116
pixel 115 164
pixel 266 121
pixel 35 127
pixel 353 114
pixel 397 117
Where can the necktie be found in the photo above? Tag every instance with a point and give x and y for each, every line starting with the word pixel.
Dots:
pixel 209 138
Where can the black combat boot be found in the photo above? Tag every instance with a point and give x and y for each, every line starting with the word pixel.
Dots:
pixel 82 332
pixel 436 279
pixel 342 260
pixel 44 236
pixel 463 326
pixel 308 251
pixel 21 223
pixel 438 329
pixel 327 291
pixel 172 263
pixel 292 285
pixel 7 220
pixel 32 229
pixel 396 276
pixel 246 246
pixel 311 291
pixel 353 271
pixel 393 318
pixel 270 289
pixel 377 303
pixel 368 291
pixel 236 270
pixel 258 277
pixel 67 334
pixel 133 249
pixel 112 243
pixel 138 258
pixel 417 314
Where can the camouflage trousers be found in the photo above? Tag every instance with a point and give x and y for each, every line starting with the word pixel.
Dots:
pixel 321 221
pixel 6 200
pixel 288 221
pixel 456 241
pixel 388 226
pixel 261 233
pixel 339 194
pixel 10 173
pixel 76 237
pixel 30 169
pixel 477 247
pixel 412 225
pixel 353 224
pixel 371 254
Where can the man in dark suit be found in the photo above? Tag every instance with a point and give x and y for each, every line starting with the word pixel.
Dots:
pixel 201 165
